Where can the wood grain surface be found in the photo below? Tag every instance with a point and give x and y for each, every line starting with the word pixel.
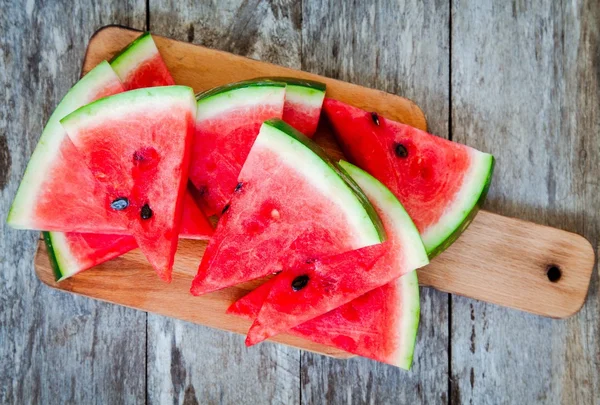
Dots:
pixel 526 84
pixel 536 103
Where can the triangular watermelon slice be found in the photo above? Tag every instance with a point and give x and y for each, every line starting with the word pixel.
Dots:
pixel 381 324
pixel 137 145
pixel 303 102
pixel 291 205
pixel 337 280
pixel 140 65
pixel 56 176
pixel 74 252
pixel 227 124
pixel 441 184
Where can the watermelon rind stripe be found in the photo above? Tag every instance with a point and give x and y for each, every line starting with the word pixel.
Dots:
pixel 414 254
pixel 362 214
pixel 140 50
pixel 130 102
pixel 408 326
pixel 63 263
pixel 465 207
pixel 310 93
pixel 51 256
pixel 21 214
pixel 307 96
pixel 294 81
pixel 239 95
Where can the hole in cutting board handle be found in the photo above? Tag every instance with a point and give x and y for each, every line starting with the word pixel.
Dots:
pixel 553 273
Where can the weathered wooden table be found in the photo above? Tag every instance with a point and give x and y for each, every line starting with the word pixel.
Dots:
pixel 520 79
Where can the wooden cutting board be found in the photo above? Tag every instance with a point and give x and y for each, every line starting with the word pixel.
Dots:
pixel 501 260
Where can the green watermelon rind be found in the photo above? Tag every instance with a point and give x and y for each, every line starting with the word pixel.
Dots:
pixel 21 212
pixel 142 48
pixel 207 96
pixel 416 257
pixel 484 170
pixel 58 255
pixel 304 91
pixel 240 95
pixel 370 211
pixel 294 81
pixel 124 104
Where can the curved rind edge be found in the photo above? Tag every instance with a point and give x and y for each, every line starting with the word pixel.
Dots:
pixel 52 256
pixel 206 95
pixel 445 244
pixel 356 190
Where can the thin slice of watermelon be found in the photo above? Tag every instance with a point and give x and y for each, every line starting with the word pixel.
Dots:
pixel 74 252
pixel 140 65
pixel 137 145
pixel 303 102
pixel 227 123
pixel 441 184
pixel 381 324
pixel 335 281
pixel 291 205
pixel 58 191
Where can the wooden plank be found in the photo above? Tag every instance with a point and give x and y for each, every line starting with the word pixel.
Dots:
pixel 209 365
pixel 55 348
pixel 525 84
pixel 400 47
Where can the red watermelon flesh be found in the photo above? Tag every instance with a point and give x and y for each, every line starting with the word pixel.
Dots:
pixel 140 65
pixel 440 183
pixel 290 206
pixel 382 323
pixel 227 123
pixel 137 145
pixel 58 191
pixel 315 288
pixel 336 280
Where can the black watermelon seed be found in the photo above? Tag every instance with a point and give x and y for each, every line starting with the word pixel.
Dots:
pixel 375 118
pixel 238 187
pixel 119 204
pixel 300 282
pixel 400 150
pixel 225 208
pixel 146 212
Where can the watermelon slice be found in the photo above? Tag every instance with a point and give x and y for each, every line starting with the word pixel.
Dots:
pixel 381 324
pixel 137 145
pixel 140 65
pixel 73 252
pixel 55 173
pixel 227 123
pixel 337 280
pixel 291 205
pixel 441 184
pixel 303 102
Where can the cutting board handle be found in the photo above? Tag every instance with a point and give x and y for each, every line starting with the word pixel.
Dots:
pixel 517 264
